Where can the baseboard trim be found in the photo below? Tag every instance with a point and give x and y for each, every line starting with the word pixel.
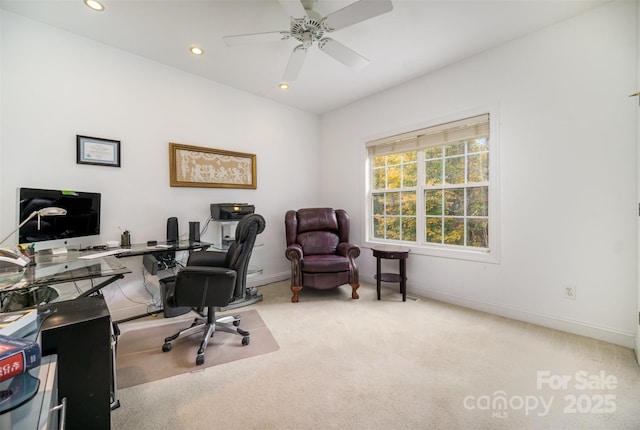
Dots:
pixel 268 279
pixel 582 328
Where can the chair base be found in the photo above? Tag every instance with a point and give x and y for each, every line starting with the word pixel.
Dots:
pixel 296 290
pixel 209 326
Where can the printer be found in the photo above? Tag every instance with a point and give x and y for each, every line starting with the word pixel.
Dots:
pixel 230 211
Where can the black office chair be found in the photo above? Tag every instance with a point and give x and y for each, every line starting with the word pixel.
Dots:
pixel 210 280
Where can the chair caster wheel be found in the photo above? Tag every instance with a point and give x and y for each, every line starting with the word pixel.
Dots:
pixel 236 322
pixel 245 341
pixel 199 360
pixel 166 347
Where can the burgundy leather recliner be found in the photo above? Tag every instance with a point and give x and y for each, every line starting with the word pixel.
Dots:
pixel 319 250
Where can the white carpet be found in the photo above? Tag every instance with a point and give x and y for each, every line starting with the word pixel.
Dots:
pixel 369 364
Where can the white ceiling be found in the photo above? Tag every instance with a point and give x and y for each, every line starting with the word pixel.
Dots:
pixel 416 37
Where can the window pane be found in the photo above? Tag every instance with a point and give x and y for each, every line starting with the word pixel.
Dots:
pixel 478 201
pixel 408 157
pixel 478 167
pixel 478 145
pixel 433 202
pixel 435 152
pixel 393 227
pixel 433 230
pixel 454 202
pixel 433 172
pixel 393 177
pixel 379 161
pixel 378 203
pixel 454 170
pixel 379 179
pixel 454 231
pixel 410 175
pixel 454 149
pixel 393 203
pixel 394 159
pixel 408 203
pixel 378 227
pixel 478 232
pixel 409 228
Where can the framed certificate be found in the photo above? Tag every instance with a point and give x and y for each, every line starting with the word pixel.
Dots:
pixel 101 152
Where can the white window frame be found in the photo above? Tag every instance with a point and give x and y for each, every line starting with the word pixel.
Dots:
pixel 490 255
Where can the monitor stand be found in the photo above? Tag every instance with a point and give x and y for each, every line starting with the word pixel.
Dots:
pixel 58 251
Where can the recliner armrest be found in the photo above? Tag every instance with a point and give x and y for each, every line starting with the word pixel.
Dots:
pixel 294 252
pixel 207 258
pixel 348 250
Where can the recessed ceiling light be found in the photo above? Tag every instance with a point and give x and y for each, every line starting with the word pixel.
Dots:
pixel 94 4
pixel 284 86
pixel 196 50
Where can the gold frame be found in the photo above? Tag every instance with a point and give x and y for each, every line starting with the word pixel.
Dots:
pixel 217 162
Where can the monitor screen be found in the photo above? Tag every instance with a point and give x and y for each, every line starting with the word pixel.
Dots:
pixel 81 224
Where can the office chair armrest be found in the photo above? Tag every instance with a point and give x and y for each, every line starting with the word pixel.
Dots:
pixel 348 250
pixel 207 258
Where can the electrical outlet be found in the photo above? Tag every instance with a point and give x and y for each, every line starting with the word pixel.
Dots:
pixel 569 292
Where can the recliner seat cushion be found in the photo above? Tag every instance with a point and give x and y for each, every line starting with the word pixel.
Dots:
pixel 325 264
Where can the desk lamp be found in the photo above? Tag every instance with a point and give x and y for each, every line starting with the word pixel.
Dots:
pixel 51 211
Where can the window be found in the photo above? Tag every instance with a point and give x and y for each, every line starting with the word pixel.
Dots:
pixel 431 188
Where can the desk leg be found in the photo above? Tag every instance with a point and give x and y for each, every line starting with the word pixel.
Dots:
pixel 378 275
pixel 403 279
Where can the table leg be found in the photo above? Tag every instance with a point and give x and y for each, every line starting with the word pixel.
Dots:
pixel 378 275
pixel 403 279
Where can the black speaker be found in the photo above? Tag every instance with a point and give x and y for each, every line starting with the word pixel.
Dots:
pixel 194 231
pixel 172 229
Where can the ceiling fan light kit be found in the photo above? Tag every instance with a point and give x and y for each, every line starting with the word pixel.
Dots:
pixel 308 27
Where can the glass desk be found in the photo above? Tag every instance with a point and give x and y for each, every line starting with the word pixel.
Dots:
pixel 35 286
pixel 49 269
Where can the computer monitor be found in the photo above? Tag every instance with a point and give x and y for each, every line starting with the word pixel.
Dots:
pixel 79 227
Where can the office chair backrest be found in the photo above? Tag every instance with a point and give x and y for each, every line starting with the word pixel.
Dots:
pixel 240 250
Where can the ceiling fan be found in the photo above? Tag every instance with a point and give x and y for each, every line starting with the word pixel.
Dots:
pixel 307 26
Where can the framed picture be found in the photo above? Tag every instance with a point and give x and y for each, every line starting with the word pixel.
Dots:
pixel 101 152
pixel 194 166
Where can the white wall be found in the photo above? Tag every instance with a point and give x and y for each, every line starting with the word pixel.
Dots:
pixel 56 85
pixel 567 173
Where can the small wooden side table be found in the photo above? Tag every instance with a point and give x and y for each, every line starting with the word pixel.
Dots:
pixel 392 253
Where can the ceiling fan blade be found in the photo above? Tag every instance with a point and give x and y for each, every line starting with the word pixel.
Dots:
pixel 343 54
pixel 242 39
pixel 294 8
pixel 295 64
pixel 357 12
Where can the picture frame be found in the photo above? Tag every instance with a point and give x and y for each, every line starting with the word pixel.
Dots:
pixel 195 166
pixel 97 151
